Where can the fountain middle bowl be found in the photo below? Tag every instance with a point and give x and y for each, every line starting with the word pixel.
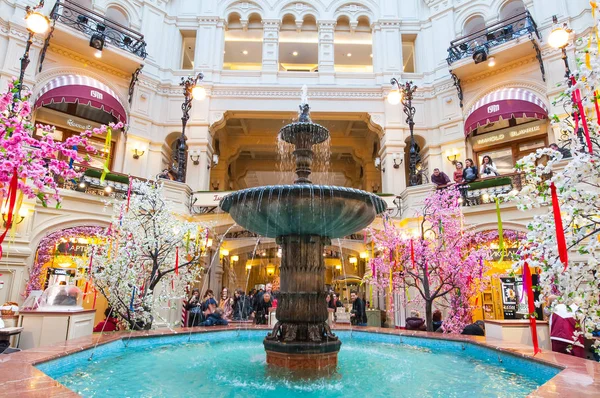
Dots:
pixel 303 209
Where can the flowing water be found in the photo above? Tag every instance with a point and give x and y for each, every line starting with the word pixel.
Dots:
pixel 232 364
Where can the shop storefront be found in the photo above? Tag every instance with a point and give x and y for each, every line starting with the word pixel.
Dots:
pixel 507 125
pixel 73 104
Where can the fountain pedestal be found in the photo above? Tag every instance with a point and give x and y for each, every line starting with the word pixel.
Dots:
pixel 301 339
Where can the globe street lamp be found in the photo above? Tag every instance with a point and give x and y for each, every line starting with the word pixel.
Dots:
pixel 36 22
pixel 404 94
pixel 559 38
pixel 191 91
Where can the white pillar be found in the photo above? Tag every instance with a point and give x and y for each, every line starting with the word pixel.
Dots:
pixel 270 50
pixel 393 179
pixel 326 52
pixel 391 48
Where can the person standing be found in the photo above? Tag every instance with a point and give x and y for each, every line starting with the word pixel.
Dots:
pixel 440 178
pixel 358 314
pixel 242 306
pixel 488 168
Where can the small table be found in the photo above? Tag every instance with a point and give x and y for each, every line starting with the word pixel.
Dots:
pixel 5 335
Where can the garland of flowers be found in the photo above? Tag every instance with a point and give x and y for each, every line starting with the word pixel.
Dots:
pixel 47 249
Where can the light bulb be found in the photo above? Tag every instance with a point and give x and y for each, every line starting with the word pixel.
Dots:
pixel 491 61
pixel 98 54
pixel 37 23
pixel 394 97
pixel 559 37
pixel 198 93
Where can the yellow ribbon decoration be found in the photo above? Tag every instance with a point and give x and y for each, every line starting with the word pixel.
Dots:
pixel 588 57
pixel 107 144
pixel 500 230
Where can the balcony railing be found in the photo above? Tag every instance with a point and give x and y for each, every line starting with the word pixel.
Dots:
pixel 92 23
pixel 115 185
pixel 484 191
pixel 492 36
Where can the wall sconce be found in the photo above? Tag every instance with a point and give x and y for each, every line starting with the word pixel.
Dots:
pixel 375 188
pixel 137 153
pixel 215 185
pixel 395 157
pixel 377 162
pixel 364 255
pixel 248 267
pixel 215 160
pixel 270 270
pixel 224 252
pixel 195 157
pixel 453 155
pixel 338 267
pixel 17 218
pixel 235 258
pixel 353 260
pixel 97 42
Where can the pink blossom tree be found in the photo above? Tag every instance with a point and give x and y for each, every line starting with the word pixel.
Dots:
pixel 31 167
pixel 445 262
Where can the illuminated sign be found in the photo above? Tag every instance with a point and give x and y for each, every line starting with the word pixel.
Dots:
pixel 504 136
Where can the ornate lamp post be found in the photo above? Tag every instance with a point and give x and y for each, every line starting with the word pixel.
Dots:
pixel 404 94
pixel 191 91
pixel 36 22
pixel 559 38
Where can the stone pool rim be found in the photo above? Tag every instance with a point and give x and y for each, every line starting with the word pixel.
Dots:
pixel 18 374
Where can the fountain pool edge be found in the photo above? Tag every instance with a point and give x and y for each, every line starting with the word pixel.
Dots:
pixel 19 375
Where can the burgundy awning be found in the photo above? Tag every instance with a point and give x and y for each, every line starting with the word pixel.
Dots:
pixel 83 90
pixel 505 104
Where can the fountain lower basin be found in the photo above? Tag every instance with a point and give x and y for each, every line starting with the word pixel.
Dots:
pixel 303 209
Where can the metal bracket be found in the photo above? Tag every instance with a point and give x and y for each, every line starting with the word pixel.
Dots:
pixel 458 87
pixel 134 79
pixel 46 45
pixel 538 55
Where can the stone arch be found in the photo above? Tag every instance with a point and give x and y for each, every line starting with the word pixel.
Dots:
pixel 244 8
pixel 301 9
pixel 535 87
pixel 49 74
pixel 467 13
pixel 118 14
pixel 506 226
pixel 353 10
pixel 508 8
pixel 474 23
pixel 131 12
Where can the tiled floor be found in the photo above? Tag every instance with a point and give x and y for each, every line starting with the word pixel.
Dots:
pixel 19 378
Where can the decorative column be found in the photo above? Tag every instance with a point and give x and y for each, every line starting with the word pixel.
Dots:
pixel 270 50
pixel 326 52
pixel 394 178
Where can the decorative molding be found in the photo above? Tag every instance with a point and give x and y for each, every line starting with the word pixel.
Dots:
pixel 507 68
pixel 287 93
pixel 87 61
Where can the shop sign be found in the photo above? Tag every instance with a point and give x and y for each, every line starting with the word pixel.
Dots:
pixel 73 123
pixel 505 136
pixel 60 272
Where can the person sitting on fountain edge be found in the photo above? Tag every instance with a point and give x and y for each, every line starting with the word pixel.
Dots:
pixel 262 310
pixel 358 314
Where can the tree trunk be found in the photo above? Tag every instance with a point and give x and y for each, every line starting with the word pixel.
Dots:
pixel 429 315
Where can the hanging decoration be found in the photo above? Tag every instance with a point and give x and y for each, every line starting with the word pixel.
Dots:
pixel 528 290
pixel 560 233
pixel 106 150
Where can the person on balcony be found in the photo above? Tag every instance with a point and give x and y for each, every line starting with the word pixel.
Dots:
pixel 470 173
pixel 488 168
pixel 458 173
pixel 440 178
pixel 563 151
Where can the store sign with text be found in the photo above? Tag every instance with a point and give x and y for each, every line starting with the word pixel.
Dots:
pixel 507 135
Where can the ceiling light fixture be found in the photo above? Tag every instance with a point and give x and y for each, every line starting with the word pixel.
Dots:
pixel 491 61
pixel 349 55
pixel 295 53
pixel 245 52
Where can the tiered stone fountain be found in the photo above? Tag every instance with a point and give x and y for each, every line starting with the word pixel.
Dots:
pixel 303 218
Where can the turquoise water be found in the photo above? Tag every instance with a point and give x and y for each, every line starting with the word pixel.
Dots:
pixel 232 364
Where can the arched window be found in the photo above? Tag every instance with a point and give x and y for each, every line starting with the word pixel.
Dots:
pixel 353 45
pixel 473 25
pixel 115 14
pixel 512 8
pixel 243 43
pixel 299 44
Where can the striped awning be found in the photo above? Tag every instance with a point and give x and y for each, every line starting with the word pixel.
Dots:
pixel 505 104
pixel 83 90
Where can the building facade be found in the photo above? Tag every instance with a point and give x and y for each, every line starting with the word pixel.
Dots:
pixel 485 73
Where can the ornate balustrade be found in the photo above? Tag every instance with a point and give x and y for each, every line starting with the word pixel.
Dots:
pixel 95 25
pixel 492 36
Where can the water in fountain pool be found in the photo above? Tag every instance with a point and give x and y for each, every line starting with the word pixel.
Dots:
pixel 232 364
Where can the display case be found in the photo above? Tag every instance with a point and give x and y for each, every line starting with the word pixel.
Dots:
pixel 58 298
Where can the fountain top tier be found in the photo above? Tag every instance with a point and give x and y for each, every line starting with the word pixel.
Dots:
pixel 303 208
